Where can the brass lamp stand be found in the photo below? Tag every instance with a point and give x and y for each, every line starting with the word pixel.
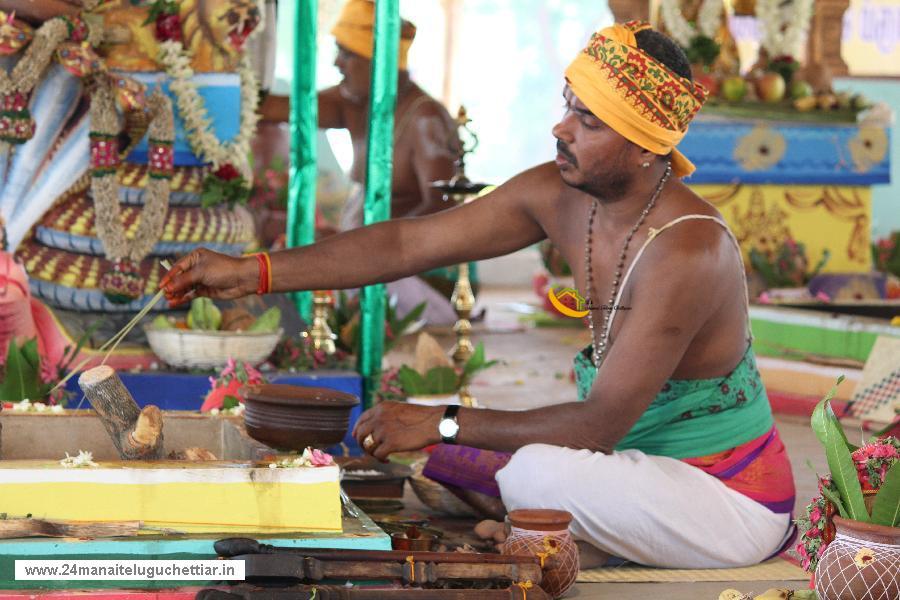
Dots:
pixel 459 189
pixel 319 332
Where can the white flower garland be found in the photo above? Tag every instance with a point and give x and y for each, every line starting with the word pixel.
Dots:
pixel 708 20
pixel 794 17
pixel 193 112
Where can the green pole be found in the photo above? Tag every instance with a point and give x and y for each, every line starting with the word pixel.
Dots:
pixel 304 122
pixel 382 101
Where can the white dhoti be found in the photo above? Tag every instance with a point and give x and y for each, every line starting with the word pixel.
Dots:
pixel 652 510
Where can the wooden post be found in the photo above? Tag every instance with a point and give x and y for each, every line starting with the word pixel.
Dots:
pixel 136 433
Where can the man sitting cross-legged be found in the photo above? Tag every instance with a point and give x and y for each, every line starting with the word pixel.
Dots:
pixel 670 456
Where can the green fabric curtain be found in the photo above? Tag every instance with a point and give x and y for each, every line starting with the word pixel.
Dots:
pixel 382 101
pixel 304 124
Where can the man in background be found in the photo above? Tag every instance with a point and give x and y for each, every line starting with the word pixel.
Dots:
pixel 425 145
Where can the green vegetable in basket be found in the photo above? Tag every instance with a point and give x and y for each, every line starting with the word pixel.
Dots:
pixel 269 321
pixel 204 315
pixel 161 322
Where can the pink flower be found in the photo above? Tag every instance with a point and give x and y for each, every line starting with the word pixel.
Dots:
pixel 320 459
pixel 822 550
pixel 823 297
pixel 764 298
pixel 814 532
pixel 230 368
pixel 816 515
pixel 884 451
pixel 801 550
pixel 216 397
pixel 253 376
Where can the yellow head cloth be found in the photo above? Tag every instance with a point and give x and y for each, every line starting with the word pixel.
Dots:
pixel 636 95
pixel 354 31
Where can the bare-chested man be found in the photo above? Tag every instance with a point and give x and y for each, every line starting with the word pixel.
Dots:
pixel 670 457
pixel 425 140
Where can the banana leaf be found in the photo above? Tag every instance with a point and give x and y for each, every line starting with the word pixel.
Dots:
pixel 886 510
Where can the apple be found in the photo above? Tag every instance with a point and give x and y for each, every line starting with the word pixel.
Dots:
pixel 770 87
pixel 734 89
pixel 800 89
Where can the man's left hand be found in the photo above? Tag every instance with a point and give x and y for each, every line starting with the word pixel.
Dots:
pixel 397 427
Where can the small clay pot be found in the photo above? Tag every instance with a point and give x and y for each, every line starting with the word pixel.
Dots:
pixel 424 543
pixel 544 533
pixel 291 417
pixel 861 563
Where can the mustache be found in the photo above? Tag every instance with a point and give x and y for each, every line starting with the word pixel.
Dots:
pixel 564 150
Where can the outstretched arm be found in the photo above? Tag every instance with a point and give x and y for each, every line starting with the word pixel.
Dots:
pixel 496 224
pixel 278 109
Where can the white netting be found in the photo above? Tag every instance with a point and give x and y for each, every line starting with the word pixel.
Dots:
pixel 558 552
pixel 859 570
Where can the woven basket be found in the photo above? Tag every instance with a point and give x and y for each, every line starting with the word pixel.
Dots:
pixel 210 349
pixel 434 495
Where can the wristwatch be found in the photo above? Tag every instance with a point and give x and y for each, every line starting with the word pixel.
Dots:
pixel 449 426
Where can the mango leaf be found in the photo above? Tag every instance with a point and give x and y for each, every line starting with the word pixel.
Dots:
pixel 412 383
pixel 886 510
pixel 836 500
pixel 441 380
pixel 843 473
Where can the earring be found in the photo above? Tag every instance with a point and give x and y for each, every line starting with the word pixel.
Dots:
pixel 645 165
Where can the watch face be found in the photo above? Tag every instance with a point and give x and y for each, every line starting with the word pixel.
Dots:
pixel 448 428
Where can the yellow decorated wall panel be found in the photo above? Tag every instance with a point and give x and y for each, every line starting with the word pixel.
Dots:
pixel 820 216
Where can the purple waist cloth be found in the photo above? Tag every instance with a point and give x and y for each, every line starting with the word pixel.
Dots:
pixel 466 467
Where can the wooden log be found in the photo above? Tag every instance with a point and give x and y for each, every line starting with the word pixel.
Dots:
pixel 20 528
pixel 136 433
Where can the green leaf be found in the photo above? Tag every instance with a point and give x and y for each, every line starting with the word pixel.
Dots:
pixel 230 402
pixel 836 500
pixel 29 352
pixel 441 380
pixel 843 473
pixel 411 381
pixel 12 388
pixel 22 379
pixel 475 362
pixel 886 510
pixel 410 318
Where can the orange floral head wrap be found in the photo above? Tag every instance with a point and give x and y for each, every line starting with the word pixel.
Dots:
pixel 355 31
pixel 638 96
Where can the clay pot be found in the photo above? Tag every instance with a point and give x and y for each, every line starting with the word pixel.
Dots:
pixel 290 417
pixel 544 533
pixel 861 563
pixel 413 539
